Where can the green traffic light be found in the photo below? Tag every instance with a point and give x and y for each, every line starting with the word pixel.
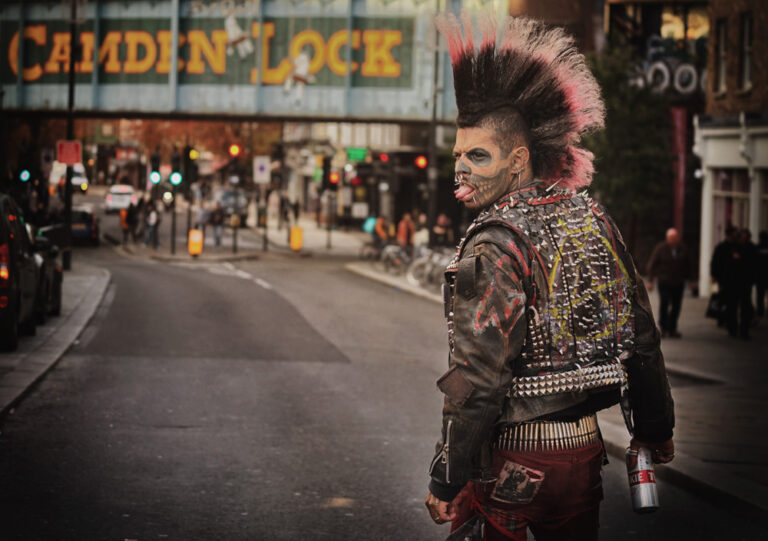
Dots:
pixel 175 178
pixel 154 176
pixel 25 175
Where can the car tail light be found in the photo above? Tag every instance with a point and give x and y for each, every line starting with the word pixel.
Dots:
pixel 5 262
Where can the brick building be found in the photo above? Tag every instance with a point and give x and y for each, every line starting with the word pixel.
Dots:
pixel 732 137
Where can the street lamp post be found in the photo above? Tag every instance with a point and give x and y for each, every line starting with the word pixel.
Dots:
pixel 66 257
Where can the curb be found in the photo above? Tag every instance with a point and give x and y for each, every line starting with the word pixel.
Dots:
pixel 38 362
pixel 739 495
pixel 363 269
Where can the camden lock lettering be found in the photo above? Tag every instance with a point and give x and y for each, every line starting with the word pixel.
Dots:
pixel 222 51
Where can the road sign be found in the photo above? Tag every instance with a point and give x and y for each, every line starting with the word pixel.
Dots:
pixel 69 152
pixel 261 173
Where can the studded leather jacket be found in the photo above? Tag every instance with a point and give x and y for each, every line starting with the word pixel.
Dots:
pixel 547 318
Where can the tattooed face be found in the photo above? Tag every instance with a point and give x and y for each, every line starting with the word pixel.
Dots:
pixel 484 171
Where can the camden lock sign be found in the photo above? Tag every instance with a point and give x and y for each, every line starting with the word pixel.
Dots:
pixel 271 61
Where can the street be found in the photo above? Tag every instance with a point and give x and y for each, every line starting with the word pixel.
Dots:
pixel 281 398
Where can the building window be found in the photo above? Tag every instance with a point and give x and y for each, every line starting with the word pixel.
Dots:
pixel 731 204
pixel 721 44
pixel 745 70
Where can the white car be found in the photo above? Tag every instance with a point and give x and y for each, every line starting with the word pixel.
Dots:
pixel 120 196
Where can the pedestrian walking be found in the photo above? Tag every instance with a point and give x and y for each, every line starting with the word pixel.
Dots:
pixel 721 272
pixel 380 233
pixel 733 266
pixel 442 231
pixel 670 264
pixel 124 227
pixel 217 221
pixel 151 225
pixel 202 217
pixel 762 272
pixel 405 230
pixel 132 219
pixel 545 308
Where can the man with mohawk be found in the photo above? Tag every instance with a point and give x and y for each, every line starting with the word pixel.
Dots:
pixel 548 320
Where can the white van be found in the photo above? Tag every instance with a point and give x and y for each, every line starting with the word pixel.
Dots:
pixel 58 176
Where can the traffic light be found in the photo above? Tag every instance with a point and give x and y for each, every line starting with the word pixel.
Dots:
pixel 234 150
pixel 334 179
pixel 190 166
pixel 25 175
pixel 176 174
pixel 176 161
pixel 326 172
pixel 420 162
pixel 154 166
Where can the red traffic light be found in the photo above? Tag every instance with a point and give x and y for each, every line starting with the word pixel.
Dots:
pixel 234 150
pixel 421 162
pixel 334 178
pixel 384 157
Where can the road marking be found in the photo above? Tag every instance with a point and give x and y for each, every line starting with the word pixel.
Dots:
pixel 262 283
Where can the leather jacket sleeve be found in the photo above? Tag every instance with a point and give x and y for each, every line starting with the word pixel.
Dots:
pixel 490 327
pixel 649 393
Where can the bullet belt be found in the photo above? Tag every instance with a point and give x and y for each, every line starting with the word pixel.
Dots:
pixel 591 377
pixel 548 435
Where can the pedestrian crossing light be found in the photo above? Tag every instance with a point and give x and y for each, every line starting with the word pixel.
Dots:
pixel 154 176
pixel 421 162
pixel 25 175
pixel 234 150
pixel 175 178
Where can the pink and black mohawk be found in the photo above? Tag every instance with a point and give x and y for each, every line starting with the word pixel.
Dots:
pixel 538 72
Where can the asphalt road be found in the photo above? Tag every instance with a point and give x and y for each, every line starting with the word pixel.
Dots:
pixel 280 399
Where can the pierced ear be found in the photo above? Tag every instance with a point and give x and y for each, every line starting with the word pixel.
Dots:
pixel 520 158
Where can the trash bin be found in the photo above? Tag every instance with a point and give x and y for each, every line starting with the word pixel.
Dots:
pixel 297 238
pixel 195 243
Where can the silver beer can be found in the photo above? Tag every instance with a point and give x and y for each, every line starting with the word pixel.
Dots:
pixel 642 480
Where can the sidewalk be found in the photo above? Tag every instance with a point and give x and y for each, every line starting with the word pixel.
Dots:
pixel 84 287
pixel 250 243
pixel 719 387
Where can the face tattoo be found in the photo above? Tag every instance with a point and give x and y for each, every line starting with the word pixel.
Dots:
pixel 484 172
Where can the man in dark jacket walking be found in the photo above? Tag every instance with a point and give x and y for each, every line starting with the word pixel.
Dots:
pixel 669 264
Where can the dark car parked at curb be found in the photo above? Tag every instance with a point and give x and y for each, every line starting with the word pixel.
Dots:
pixel 85 226
pixel 18 276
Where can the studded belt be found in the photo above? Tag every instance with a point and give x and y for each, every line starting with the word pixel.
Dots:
pixel 548 435
pixel 591 377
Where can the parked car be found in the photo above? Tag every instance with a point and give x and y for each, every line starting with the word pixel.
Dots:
pixel 18 276
pixel 58 176
pixel 49 276
pixel 120 196
pixel 85 225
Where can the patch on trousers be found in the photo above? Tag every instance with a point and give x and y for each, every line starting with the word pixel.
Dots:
pixel 517 484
